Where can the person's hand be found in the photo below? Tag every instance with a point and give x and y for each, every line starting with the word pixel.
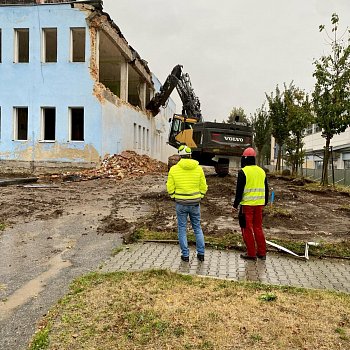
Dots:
pixel 234 211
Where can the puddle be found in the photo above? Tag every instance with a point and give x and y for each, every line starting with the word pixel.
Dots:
pixel 34 287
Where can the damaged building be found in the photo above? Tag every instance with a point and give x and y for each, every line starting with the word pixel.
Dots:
pixel 72 89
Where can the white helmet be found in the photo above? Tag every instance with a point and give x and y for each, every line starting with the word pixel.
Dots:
pixel 184 150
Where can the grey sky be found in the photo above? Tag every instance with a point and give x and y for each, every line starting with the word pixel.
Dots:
pixel 234 51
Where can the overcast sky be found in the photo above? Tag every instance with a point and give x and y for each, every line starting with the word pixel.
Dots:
pixel 234 51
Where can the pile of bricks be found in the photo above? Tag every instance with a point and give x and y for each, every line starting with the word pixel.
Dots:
pixel 119 166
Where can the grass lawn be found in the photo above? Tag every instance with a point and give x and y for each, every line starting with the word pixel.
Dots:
pixel 164 310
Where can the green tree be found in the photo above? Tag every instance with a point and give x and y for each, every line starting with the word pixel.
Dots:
pixel 331 96
pixel 237 114
pixel 299 116
pixel 262 133
pixel 279 121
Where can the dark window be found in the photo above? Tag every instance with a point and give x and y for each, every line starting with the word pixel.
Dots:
pixel 77 124
pixel 21 123
pixel 78 44
pixel 49 124
pixel 50 45
pixel 22 46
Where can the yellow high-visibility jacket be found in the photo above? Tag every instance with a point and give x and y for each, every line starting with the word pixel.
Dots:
pixel 254 189
pixel 186 182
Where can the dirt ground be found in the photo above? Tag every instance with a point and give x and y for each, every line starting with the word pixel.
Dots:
pixel 142 201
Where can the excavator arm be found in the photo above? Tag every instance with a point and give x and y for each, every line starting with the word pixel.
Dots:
pixel 160 98
pixel 182 83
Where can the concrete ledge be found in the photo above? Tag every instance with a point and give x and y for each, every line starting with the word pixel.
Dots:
pixel 13 167
pixel 16 181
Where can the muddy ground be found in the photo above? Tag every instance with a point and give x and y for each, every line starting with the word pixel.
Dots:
pixel 57 230
pixel 142 201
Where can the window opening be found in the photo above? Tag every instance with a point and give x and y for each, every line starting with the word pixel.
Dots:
pixel 139 146
pixel 49 124
pixel 78 44
pixel 0 46
pixel 77 124
pixel 50 45
pixel 147 140
pixel 135 136
pixel 22 45
pixel 143 138
pixel 21 123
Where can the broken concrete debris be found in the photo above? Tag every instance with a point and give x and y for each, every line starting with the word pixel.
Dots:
pixel 117 166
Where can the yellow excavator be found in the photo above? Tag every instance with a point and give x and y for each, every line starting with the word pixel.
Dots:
pixel 212 144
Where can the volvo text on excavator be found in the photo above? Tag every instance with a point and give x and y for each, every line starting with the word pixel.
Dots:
pixel 212 143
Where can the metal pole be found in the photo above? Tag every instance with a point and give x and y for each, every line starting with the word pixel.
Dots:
pixel 332 164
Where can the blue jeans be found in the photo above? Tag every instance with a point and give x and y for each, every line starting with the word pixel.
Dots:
pixel 194 212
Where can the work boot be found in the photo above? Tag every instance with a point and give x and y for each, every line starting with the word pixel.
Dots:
pixel 262 257
pixel 200 257
pixel 247 257
pixel 185 258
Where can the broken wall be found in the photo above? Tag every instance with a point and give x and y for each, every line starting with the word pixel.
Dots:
pixel 35 85
pixel 43 93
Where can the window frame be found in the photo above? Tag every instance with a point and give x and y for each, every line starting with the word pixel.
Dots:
pixel 17 45
pixel 70 127
pixel 72 46
pixel 16 121
pixel 43 123
pixel 44 45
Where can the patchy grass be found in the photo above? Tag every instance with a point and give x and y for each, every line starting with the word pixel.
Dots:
pixel 2 226
pixel 117 250
pixel 163 310
pixel 227 240
pixel 339 250
pixel 278 212
pixel 231 240
pixel 41 339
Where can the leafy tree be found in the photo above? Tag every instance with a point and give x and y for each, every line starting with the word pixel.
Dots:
pixel 299 117
pixel 237 113
pixel 262 133
pixel 331 96
pixel 279 121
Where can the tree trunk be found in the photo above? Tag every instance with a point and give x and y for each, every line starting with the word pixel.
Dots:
pixel 324 179
pixel 297 156
pixel 279 157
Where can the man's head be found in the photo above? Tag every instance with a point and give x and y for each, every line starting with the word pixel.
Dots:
pixel 184 151
pixel 248 157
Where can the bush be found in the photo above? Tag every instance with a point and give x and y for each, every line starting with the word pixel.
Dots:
pixel 286 172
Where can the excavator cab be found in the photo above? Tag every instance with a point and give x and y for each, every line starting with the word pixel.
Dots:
pixel 181 131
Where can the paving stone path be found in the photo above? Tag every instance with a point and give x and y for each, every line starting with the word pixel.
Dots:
pixel 277 269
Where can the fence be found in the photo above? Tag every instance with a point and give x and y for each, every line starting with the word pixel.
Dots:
pixel 341 176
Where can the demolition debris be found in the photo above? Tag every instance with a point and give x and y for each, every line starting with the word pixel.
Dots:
pixel 117 166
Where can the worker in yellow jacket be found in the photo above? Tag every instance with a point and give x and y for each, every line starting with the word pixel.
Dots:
pixel 187 185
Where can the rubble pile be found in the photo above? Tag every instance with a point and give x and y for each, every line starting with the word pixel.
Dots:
pixel 119 166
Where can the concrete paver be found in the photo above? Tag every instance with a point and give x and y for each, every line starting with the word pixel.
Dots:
pixel 277 269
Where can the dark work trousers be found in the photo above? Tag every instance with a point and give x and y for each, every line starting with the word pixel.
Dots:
pixel 253 234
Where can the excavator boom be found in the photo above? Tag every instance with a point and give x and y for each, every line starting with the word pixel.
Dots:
pixel 182 83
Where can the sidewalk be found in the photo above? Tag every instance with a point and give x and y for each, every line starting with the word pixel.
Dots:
pixel 278 269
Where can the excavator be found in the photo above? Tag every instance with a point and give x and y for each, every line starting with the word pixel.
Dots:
pixel 212 144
